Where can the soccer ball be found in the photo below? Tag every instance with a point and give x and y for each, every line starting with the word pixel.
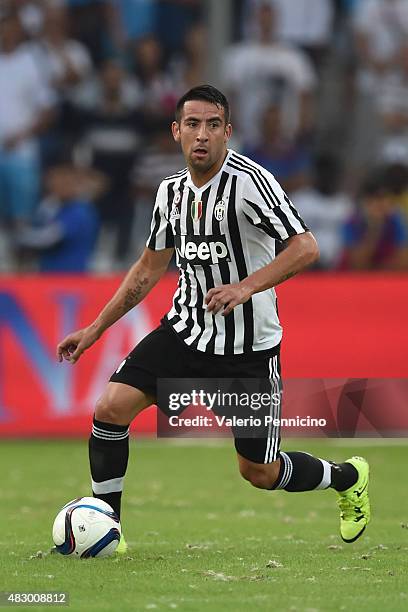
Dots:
pixel 86 527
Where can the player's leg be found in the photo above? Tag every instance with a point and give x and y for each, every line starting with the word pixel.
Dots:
pixel 132 388
pixel 109 441
pixel 299 471
pixel 260 475
pixel 265 466
pixel 293 471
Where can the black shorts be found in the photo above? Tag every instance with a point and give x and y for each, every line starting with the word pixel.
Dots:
pixel 162 354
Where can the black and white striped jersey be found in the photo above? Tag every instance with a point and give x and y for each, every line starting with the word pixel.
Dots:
pixel 222 232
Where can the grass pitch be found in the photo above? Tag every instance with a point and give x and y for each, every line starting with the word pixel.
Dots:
pixel 201 538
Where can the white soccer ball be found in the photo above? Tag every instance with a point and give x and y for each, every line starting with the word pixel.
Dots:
pixel 86 527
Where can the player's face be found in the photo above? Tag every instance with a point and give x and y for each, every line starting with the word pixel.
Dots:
pixel 203 135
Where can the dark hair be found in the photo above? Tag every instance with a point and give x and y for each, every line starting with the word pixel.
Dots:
pixel 208 93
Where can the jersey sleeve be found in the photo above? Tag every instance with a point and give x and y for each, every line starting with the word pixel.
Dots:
pixel 161 233
pixel 266 206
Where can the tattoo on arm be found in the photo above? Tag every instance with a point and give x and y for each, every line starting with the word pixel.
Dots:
pixel 134 295
pixel 285 277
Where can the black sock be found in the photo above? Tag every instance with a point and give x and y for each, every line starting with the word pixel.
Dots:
pixel 108 457
pixel 344 475
pixel 302 472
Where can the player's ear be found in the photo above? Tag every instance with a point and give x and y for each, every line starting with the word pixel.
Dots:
pixel 175 128
pixel 228 132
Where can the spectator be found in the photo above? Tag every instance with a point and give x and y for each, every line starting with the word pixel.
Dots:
pixel 131 20
pixel 396 175
pixel 380 31
pixel 26 111
pixel 307 24
pixel 189 68
pixel 325 208
pixel 381 28
pixel 31 13
pixel 287 159
pixel 67 64
pixel 89 94
pixel 89 23
pixel 113 131
pixel 161 158
pixel 65 226
pixel 376 236
pixel 174 20
pixel 392 104
pixel 65 60
pixel 265 71
pixel 159 90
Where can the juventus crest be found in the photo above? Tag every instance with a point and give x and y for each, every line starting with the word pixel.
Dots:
pixel 219 210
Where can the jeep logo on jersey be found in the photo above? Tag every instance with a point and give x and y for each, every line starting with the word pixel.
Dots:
pixel 202 250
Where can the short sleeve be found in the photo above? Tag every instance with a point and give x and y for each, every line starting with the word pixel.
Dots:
pixel 266 206
pixel 161 232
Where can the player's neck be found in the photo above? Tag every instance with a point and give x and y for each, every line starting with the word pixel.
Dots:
pixel 200 179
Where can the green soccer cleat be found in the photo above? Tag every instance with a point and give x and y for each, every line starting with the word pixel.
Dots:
pixel 122 547
pixel 354 503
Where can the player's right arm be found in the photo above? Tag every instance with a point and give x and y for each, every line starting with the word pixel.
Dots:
pixel 140 279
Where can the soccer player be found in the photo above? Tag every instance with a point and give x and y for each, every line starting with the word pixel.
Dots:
pixel 223 215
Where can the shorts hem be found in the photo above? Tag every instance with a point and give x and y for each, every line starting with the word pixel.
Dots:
pixel 134 382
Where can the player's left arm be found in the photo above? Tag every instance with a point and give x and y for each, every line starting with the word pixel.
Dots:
pixel 301 251
pixel 266 206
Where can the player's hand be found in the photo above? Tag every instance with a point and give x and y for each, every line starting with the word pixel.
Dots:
pixel 72 347
pixel 226 297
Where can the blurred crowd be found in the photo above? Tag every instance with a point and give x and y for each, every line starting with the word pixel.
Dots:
pixel 319 94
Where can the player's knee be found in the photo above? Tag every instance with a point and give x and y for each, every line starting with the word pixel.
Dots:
pixel 108 410
pixel 261 477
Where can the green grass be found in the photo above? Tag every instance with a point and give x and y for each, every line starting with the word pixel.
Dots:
pixel 201 538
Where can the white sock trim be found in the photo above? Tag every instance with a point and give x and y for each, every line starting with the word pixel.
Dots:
pixel 287 472
pixel 114 485
pixel 326 480
pixel 106 434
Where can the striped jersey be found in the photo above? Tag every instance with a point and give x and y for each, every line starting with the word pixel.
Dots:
pixel 222 232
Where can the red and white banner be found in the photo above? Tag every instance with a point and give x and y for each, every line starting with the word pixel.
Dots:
pixel 336 326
